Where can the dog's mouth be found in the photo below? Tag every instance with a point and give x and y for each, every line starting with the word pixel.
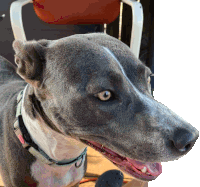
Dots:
pixel 146 171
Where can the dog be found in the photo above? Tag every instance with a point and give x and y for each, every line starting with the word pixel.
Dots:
pixel 79 91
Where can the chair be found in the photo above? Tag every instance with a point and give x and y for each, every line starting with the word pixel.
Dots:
pixel 137 14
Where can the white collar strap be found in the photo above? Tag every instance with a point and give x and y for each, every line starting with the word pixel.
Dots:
pixel 24 137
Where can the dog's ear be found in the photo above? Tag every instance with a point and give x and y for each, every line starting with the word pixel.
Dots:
pixel 30 60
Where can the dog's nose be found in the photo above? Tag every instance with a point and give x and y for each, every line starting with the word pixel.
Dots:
pixel 184 140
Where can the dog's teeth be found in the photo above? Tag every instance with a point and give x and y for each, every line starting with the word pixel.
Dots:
pixel 144 169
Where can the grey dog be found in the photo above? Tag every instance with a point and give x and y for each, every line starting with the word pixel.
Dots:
pixel 79 91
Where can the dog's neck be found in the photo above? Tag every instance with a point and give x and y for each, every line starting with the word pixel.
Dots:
pixel 56 145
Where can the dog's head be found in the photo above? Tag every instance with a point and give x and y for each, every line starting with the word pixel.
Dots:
pixel 94 89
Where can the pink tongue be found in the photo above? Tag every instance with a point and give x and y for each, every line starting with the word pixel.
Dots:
pixel 154 169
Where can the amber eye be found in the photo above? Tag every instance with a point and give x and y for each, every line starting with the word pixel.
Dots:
pixel 149 80
pixel 104 96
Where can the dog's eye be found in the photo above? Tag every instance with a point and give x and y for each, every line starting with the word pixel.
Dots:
pixel 149 80
pixel 104 96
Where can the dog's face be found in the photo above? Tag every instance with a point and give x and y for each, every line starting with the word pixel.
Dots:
pixel 94 89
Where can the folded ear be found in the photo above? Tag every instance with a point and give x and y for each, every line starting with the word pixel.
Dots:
pixel 30 60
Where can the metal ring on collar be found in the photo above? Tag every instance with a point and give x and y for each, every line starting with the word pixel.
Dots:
pixel 78 166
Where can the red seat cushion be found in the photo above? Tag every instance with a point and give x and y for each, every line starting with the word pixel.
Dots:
pixel 77 11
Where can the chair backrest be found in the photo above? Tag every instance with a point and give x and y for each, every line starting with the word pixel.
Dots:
pixel 52 14
pixel 77 11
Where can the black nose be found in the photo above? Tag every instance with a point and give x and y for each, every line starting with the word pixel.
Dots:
pixel 184 139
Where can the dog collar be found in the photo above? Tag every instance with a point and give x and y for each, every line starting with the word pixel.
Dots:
pixel 26 141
